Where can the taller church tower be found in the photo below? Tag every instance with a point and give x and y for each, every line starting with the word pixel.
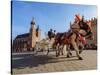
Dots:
pixel 32 33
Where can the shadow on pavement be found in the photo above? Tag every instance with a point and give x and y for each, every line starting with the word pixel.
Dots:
pixel 35 61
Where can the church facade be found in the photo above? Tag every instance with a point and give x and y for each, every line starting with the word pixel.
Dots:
pixel 27 41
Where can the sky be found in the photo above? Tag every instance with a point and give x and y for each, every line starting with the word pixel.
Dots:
pixel 47 15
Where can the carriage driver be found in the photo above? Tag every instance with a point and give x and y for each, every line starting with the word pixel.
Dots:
pixel 51 33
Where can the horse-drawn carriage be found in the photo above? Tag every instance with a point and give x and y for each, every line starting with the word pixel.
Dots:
pixel 45 45
pixel 68 39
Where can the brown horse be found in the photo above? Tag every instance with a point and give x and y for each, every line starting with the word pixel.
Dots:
pixel 62 39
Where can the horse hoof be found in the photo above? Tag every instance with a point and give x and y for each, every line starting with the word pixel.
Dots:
pixel 68 56
pixel 71 54
pixel 57 55
pixel 80 58
pixel 80 52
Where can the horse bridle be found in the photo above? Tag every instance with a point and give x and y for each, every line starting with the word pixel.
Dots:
pixel 86 28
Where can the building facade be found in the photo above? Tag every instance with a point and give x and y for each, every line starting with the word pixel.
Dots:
pixel 93 43
pixel 27 41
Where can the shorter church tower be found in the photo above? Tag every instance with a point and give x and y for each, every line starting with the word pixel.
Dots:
pixel 38 34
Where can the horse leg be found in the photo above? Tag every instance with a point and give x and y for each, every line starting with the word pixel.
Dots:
pixel 48 52
pixel 69 54
pixel 48 49
pixel 62 52
pixel 69 49
pixel 57 53
pixel 61 49
pixel 57 50
pixel 77 50
pixel 80 46
pixel 74 44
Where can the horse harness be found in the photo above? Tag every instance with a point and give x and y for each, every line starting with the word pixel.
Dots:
pixel 83 25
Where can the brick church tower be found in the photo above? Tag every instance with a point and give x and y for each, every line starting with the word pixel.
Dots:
pixel 27 41
pixel 34 33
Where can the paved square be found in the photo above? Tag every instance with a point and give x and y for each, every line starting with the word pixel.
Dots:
pixel 25 63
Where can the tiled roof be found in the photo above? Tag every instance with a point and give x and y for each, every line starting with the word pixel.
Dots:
pixel 22 35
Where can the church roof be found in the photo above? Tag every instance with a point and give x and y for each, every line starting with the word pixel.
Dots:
pixel 22 35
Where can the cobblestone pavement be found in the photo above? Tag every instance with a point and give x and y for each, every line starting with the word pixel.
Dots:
pixel 40 63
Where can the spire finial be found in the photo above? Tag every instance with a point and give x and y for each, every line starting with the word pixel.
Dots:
pixel 32 18
pixel 32 22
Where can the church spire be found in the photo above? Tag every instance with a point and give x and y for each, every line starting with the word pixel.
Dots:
pixel 33 21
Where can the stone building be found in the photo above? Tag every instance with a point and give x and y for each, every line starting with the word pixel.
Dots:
pixel 94 30
pixel 27 41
